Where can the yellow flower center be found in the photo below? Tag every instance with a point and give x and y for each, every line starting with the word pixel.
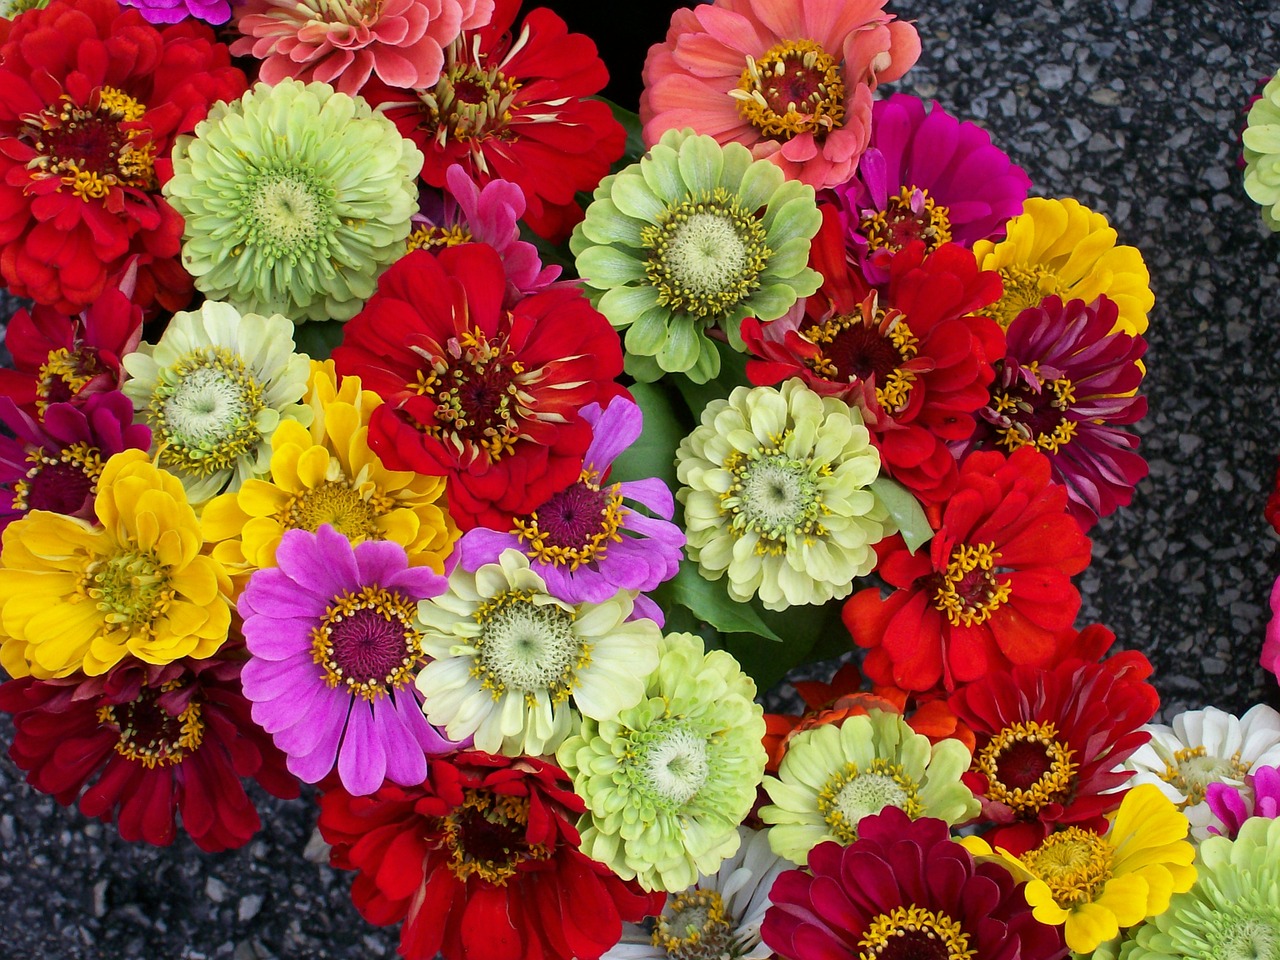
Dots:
pixel 914 933
pixel 367 642
pixel 1034 415
pixel 794 87
pixel 352 513
pixel 969 593
pixel 131 590
pixel 428 237
pixel 63 375
pixel 1073 863
pixel 775 497
pixel 94 148
pixel 874 343
pixel 1192 770
pixel 470 102
pixel 527 647
pixel 1027 767
pixel 575 526
pixel 149 734
pixel 911 215
pixel 1025 285
pixel 852 793
pixel 487 837
pixel 62 483
pixel 694 926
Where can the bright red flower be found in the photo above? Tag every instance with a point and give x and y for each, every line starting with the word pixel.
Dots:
pixel 1050 743
pixel 93 98
pixel 481 862
pixel 992 589
pixel 149 743
pixel 485 396
pixel 911 358
pixel 511 104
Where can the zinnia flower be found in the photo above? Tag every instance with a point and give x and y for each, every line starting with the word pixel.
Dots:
pixel 486 396
pixel 481 860
pixel 1261 139
pixel 670 779
pixel 343 42
pixel 295 199
pixel 94 96
pixel 1061 248
pixel 150 744
pixel 334 652
pixel 693 236
pixel 1095 884
pixel 793 81
pixel 926 176
pixel 55 464
pixel 1202 747
pixel 1233 806
pixel 583 542
pixel 213 390
pixel 904 889
pixel 514 666
pixel 1066 383
pixel 512 103
pixel 834 776
pixel 992 590
pixel 78 597
pixel 174 11
pixel 1270 658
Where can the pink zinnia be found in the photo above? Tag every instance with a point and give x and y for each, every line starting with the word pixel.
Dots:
pixel 1271 646
pixel 791 80
pixel 1259 797
pixel 342 42
pixel 334 655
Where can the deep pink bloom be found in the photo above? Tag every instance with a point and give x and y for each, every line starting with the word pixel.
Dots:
pixel 1271 646
pixel 334 655
pixel 1259 797
pixel 171 11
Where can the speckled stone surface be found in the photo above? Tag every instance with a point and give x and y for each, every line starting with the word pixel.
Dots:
pixel 1131 106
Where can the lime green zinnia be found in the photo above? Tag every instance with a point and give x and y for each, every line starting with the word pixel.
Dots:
pixel 776 493
pixel 668 782
pixel 833 776
pixel 694 235
pixel 1261 140
pixel 296 198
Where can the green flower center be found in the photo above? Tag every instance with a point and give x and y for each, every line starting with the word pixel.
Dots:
pixel 11 8
pixel 706 254
pixel 527 646
pixel 853 793
pixel 775 497
pixel 286 213
pixel 1244 933
pixel 131 589
pixel 204 411
pixel 336 503
pixel 673 763
pixel 694 926
pixel 1192 770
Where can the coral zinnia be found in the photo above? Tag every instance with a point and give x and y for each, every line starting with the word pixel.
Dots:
pixel 481 860
pixel 486 396
pixel 151 743
pixel 512 104
pixel 992 590
pixel 904 889
pixel 94 96
pixel 793 81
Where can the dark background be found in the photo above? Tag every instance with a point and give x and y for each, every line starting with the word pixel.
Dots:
pixel 1133 107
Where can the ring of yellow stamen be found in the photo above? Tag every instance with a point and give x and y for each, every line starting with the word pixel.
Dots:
pixel 694 926
pixel 1192 770
pixel 918 924
pixel 898 223
pixel 1053 786
pixel 1073 863
pixel 397 668
pixel 170 739
pixel 352 511
pixel 539 543
pixel 527 646
pixel 775 497
pixel 852 793
pixel 1024 286
pixel 427 237
pixel 495 825
pixel 1020 407
pixel 840 354
pixel 70 370
pixel 469 103
pixel 794 87
pixel 968 593
pixel 82 456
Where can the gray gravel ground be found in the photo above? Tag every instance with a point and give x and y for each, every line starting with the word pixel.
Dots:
pixel 1132 106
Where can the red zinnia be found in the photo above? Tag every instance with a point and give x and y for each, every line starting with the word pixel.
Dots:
pixel 1050 744
pixel 912 359
pixel 486 396
pixel 151 743
pixel 512 105
pixel 93 98
pixel 481 862
pixel 992 590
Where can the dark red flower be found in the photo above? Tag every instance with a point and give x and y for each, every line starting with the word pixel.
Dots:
pixel 992 589
pixel 93 98
pixel 1272 510
pixel 903 890
pixel 149 743
pixel 511 104
pixel 912 358
pixel 481 862
pixel 1050 743
pixel 485 396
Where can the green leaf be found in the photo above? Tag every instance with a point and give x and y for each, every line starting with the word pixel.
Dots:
pixel 709 601
pixel 317 338
pixel 635 148
pixel 654 453
pixel 905 510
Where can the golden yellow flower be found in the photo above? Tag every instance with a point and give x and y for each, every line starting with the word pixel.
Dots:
pixel 1059 247
pixel 328 474
pixel 78 597
pixel 1095 884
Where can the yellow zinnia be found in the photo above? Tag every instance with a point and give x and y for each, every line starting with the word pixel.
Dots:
pixel 78 597
pixel 1059 247
pixel 1094 884
pixel 328 474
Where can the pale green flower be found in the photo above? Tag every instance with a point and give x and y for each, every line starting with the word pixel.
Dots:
pixel 776 493
pixel 213 391
pixel 12 8
pixel 517 669
pixel 670 779
pixel 1261 140
pixel 295 198
pixel 694 235
pixel 833 776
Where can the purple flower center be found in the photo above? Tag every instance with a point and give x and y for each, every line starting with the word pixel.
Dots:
pixel 367 642
pixel 1032 411
pixel 572 516
pixel 575 526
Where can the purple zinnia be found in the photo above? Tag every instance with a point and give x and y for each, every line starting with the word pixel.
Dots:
pixel 334 653
pixel 1064 385
pixel 582 541
pixel 173 11
pixel 1259 797
pixel 926 176
pixel 54 464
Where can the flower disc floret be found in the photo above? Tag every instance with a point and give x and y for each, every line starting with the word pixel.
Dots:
pixel 1261 139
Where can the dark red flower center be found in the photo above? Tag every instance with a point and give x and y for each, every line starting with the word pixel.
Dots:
pixel 970 591
pixel 1023 763
pixel 914 933
pixel 95 147
pixel 1032 411
pixel 487 837
pixel 875 343
pixel 61 484
pixel 1027 767
pixel 65 373
pixel 150 734
pixel 367 642
pixel 793 87
pixel 469 102
pixel 911 215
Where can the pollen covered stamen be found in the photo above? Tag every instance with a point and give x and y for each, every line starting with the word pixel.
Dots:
pixel 63 375
pixel 1030 409
pixel 694 926
pixel 528 646
pixel 1073 863
pixel 1027 767
pixel 428 237
pixel 470 102
pixel 794 87
pixel 354 513
pixel 969 593
pixel 1192 770
pixel 911 215
pixel 775 497
pixel 487 837
pixel 914 933
pixel 59 483
pixel 1024 287
pixel 873 345
pixel 853 793
pixel 367 642
pixel 131 589
pixel 575 526
pixel 149 734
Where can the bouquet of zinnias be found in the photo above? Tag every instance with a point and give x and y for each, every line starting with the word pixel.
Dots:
pixel 397 416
